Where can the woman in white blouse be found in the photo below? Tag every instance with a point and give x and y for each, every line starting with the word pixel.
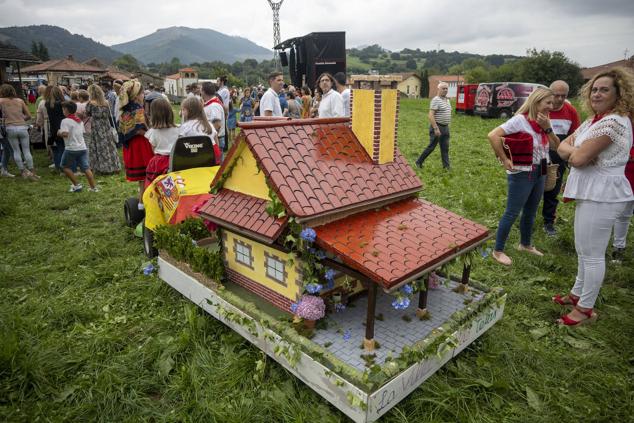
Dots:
pixel 597 153
pixel 331 104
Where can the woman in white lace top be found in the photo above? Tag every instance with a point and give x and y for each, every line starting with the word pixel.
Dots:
pixel 597 153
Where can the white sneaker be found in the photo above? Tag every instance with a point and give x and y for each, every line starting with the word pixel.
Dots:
pixel 6 174
pixel 51 166
pixel 95 189
pixel 75 188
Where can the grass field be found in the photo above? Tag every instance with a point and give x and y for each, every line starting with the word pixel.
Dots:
pixel 85 336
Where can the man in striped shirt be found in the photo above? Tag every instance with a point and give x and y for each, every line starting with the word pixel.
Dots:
pixel 439 119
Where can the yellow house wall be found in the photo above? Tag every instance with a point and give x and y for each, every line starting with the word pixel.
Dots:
pixel 414 85
pixel 245 177
pixel 388 125
pixel 258 274
pixel 363 118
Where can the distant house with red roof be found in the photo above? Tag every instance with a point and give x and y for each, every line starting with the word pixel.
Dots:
pixel 588 73
pixel 65 70
pixel 347 180
pixel 175 84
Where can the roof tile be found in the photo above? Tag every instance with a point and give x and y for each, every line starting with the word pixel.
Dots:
pixel 393 243
pixel 246 212
pixel 325 156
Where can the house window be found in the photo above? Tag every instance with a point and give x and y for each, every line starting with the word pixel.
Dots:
pixel 408 89
pixel 275 268
pixel 243 253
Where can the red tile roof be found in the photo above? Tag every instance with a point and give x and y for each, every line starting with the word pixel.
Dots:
pixel 397 242
pixel 62 65
pixel 244 214
pixel 317 166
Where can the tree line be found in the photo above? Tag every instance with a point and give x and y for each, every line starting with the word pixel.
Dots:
pixel 541 67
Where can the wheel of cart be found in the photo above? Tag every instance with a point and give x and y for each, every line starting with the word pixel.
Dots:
pixel 187 153
pixel 133 216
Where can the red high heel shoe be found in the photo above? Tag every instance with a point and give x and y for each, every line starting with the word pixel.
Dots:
pixel 568 300
pixel 591 317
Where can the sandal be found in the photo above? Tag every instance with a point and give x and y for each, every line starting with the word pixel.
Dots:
pixel 568 300
pixel 530 249
pixel 502 258
pixel 565 320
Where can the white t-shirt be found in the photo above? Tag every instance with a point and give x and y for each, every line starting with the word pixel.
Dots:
pixel 75 139
pixel 518 123
pixel 331 105
pixel 192 128
pixel 216 111
pixel 225 95
pixel 270 102
pixel 162 140
pixel 345 94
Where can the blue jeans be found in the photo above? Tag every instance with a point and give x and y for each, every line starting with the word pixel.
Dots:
pixel 21 145
pixel 58 151
pixel 7 152
pixel 525 190
pixel 443 139
pixel 72 158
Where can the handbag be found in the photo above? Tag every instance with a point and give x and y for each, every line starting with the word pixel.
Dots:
pixel 551 177
pixel 519 148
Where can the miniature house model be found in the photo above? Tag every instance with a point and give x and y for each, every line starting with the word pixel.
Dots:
pixel 345 179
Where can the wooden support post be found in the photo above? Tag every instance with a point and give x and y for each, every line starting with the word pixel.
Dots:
pixel 464 281
pixel 421 311
pixel 368 342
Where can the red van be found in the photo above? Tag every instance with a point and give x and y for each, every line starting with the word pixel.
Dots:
pixel 502 99
pixel 465 99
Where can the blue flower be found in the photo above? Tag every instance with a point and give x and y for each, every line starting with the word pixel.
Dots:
pixel 308 234
pixel 400 303
pixel 330 275
pixel 347 335
pixel 320 255
pixel 485 252
pixel 294 307
pixel 330 284
pixel 147 270
pixel 407 289
pixel 339 307
pixel 313 288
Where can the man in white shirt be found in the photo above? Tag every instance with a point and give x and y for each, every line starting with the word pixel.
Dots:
pixel 214 109
pixel 340 84
pixel 223 92
pixel 331 104
pixel 270 102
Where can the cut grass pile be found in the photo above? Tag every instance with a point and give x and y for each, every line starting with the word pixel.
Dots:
pixel 85 336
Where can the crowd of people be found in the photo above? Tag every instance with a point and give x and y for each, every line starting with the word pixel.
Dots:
pixel 83 126
pixel 538 143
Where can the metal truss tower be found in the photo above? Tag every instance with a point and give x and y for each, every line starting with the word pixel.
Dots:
pixel 275 6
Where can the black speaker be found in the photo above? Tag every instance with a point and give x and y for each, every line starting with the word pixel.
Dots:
pixel 283 58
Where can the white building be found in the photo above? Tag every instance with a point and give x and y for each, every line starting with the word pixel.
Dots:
pixel 175 84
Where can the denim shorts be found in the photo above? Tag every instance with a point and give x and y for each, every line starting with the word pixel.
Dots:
pixel 81 157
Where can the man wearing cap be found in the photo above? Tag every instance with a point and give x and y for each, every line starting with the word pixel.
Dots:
pixel 439 118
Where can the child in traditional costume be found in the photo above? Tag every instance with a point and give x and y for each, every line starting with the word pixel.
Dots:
pixel 137 151
pixel 162 137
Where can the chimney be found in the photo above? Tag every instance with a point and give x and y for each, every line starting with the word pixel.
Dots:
pixel 70 57
pixel 375 121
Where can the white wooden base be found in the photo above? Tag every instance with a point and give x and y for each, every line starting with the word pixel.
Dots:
pixel 335 389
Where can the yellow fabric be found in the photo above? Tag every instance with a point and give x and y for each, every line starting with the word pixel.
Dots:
pixel 129 90
pixel 162 197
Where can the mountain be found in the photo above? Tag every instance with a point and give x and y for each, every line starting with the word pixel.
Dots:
pixel 59 42
pixel 192 45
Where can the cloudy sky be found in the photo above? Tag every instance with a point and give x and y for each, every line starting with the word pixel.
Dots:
pixel 588 32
